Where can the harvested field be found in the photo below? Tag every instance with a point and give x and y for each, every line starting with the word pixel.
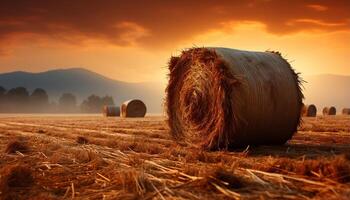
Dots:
pixel 92 157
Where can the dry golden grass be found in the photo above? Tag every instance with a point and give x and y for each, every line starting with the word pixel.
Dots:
pixel 137 159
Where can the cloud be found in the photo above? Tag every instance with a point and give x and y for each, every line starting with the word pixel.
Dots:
pixel 130 32
pixel 317 7
pixel 317 23
pixel 162 23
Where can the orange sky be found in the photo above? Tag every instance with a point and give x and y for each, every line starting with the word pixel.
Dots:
pixel 132 41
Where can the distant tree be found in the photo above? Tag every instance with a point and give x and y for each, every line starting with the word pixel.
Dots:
pixel 107 100
pixel 39 100
pixel 68 102
pixel 92 104
pixel 18 95
pixel 40 97
pixel 17 99
pixel 2 91
pixel 2 98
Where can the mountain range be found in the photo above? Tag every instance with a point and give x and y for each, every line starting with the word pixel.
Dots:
pixel 82 83
pixel 321 90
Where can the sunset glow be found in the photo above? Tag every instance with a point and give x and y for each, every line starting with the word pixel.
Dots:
pixel 134 42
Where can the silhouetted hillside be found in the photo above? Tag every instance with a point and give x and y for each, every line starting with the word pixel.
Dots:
pixel 83 83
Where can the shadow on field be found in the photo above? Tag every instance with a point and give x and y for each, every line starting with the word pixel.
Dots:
pixel 298 150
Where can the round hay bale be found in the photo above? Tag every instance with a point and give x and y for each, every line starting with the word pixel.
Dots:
pixel 133 108
pixel 329 110
pixel 220 98
pixel 309 110
pixel 346 111
pixel 111 111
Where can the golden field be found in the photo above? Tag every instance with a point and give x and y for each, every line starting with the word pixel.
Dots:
pixel 92 157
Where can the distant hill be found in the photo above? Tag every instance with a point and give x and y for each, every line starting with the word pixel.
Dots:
pixel 326 90
pixel 322 90
pixel 83 83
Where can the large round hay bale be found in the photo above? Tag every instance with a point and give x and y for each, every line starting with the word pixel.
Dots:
pixel 225 98
pixel 133 108
pixel 309 110
pixel 346 111
pixel 329 110
pixel 111 111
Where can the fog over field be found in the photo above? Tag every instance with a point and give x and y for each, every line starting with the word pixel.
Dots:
pixel 82 83
pixel 321 90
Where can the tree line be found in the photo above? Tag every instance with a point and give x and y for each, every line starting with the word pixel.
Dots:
pixel 20 100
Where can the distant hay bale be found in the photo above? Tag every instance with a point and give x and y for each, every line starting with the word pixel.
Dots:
pixel 309 110
pixel 346 111
pixel 133 108
pixel 329 110
pixel 225 98
pixel 111 111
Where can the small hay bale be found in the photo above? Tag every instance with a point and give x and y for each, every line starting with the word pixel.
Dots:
pixel 82 140
pixel 220 98
pixel 329 110
pixel 111 111
pixel 346 111
pixel 309 110
pixel 133 108
pixel 13 176
pixel 16 145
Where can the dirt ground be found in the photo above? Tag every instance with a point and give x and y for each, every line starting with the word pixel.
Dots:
pixel 92 157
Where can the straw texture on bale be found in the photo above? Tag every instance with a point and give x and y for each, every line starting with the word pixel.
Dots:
pixel 111 111
pixel 309 110
pixel 329 111
pixel 133 108
pixel 220 98
pixel 346 111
